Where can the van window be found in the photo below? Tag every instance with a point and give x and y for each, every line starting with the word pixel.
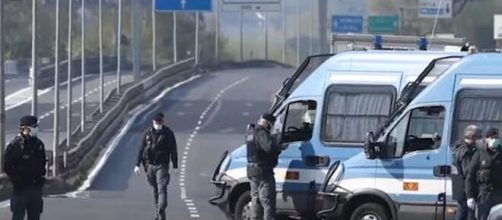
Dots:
pixel 479 107
pixel 353 111
pixel 299 121
pixel 417 131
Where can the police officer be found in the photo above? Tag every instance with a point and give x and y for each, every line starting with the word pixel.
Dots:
pixel 484 176
pixel 157 150
pixel 25 166
pixel 462 155
pixel 262 155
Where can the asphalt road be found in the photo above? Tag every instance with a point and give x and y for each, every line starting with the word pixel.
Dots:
pixel 46 106
pixel 208 115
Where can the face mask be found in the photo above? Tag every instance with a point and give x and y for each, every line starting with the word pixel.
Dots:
pixel 493 143
pixel 34 132
pixel 157 126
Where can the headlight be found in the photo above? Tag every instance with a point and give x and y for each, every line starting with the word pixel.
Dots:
pixel 335 178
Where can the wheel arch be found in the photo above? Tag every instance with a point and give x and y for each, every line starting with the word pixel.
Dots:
pixel 235 193
pixel 359 197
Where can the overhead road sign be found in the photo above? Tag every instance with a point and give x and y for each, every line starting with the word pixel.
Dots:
pixel 251 5
pixel 183 5
pixel 383 24
pixel 347 24
pixel 432 8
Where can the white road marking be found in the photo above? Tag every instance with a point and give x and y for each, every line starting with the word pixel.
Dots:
pixel 80 99
pixel 190 205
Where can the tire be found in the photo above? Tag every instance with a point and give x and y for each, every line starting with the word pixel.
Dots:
pixel 370 211
pixel 242 207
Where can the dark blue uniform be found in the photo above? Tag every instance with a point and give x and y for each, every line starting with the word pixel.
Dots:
pixel 462 156
pixel 25 166
pixel 263 151
pixel 157 150
pixel 484 177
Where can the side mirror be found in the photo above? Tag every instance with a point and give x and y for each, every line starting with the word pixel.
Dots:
pixel 442 171
pixel 369 146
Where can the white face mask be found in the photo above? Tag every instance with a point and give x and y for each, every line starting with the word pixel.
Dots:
pixel 157 126
pixel 34 132
pixel 493 143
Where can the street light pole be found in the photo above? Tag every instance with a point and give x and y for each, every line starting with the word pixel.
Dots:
pixel 101 76
pixel 197 14
pixel 311 21
pixel 82 106
pixel 119 44
pixel 69 85
pixel 175 45
pixel 33 73
pixel 2 93
pixel 154 37
pixel 56 93
pixel 241 31
pixel 283 32
pixel 217 32
pixel 266 35
pixel 298 33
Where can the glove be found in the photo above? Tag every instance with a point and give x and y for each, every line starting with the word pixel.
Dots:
pixel 471 203
pixel 175 171
pixel 136 170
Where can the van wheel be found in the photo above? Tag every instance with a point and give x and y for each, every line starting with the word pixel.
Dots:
pixel 370 211
pixel 243 207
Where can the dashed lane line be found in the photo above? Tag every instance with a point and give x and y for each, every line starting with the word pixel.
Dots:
pixel 63 107
pixel 192 208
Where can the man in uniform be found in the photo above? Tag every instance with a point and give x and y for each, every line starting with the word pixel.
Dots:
pixel 484 176
pixel 25 166
pixel 158 148
pixel 462 155
pixel 263 151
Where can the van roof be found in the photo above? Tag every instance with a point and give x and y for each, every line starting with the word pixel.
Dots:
pixel 474 65
pixel 370 61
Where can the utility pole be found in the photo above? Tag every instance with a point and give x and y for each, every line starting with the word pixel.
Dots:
pixel 69 85
pixel 2 92
pixel 55 169
pixel 33 73
pixel 82 106
pixel 119 44
pixel 154 37
pixel 101 76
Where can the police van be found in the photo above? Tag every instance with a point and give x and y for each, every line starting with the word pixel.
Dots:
pixel 404 170
pixel 324 118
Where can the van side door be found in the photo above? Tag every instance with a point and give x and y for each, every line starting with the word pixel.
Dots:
pixel 413 148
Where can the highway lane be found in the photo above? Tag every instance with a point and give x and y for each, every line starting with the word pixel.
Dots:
pixel 46 106
pixel 209 116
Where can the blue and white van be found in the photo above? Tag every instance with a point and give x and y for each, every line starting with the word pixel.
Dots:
pixel 404 171
pixel 323 117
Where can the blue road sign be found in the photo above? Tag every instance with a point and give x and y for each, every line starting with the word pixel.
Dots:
pixel 347 24
pixel 183 5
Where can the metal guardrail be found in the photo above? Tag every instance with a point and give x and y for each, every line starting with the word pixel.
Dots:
pixel 79 159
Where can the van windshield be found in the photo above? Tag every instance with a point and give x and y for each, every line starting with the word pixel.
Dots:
pixel 433 71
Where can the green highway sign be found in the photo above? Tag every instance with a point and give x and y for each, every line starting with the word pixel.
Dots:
pixel 383 24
